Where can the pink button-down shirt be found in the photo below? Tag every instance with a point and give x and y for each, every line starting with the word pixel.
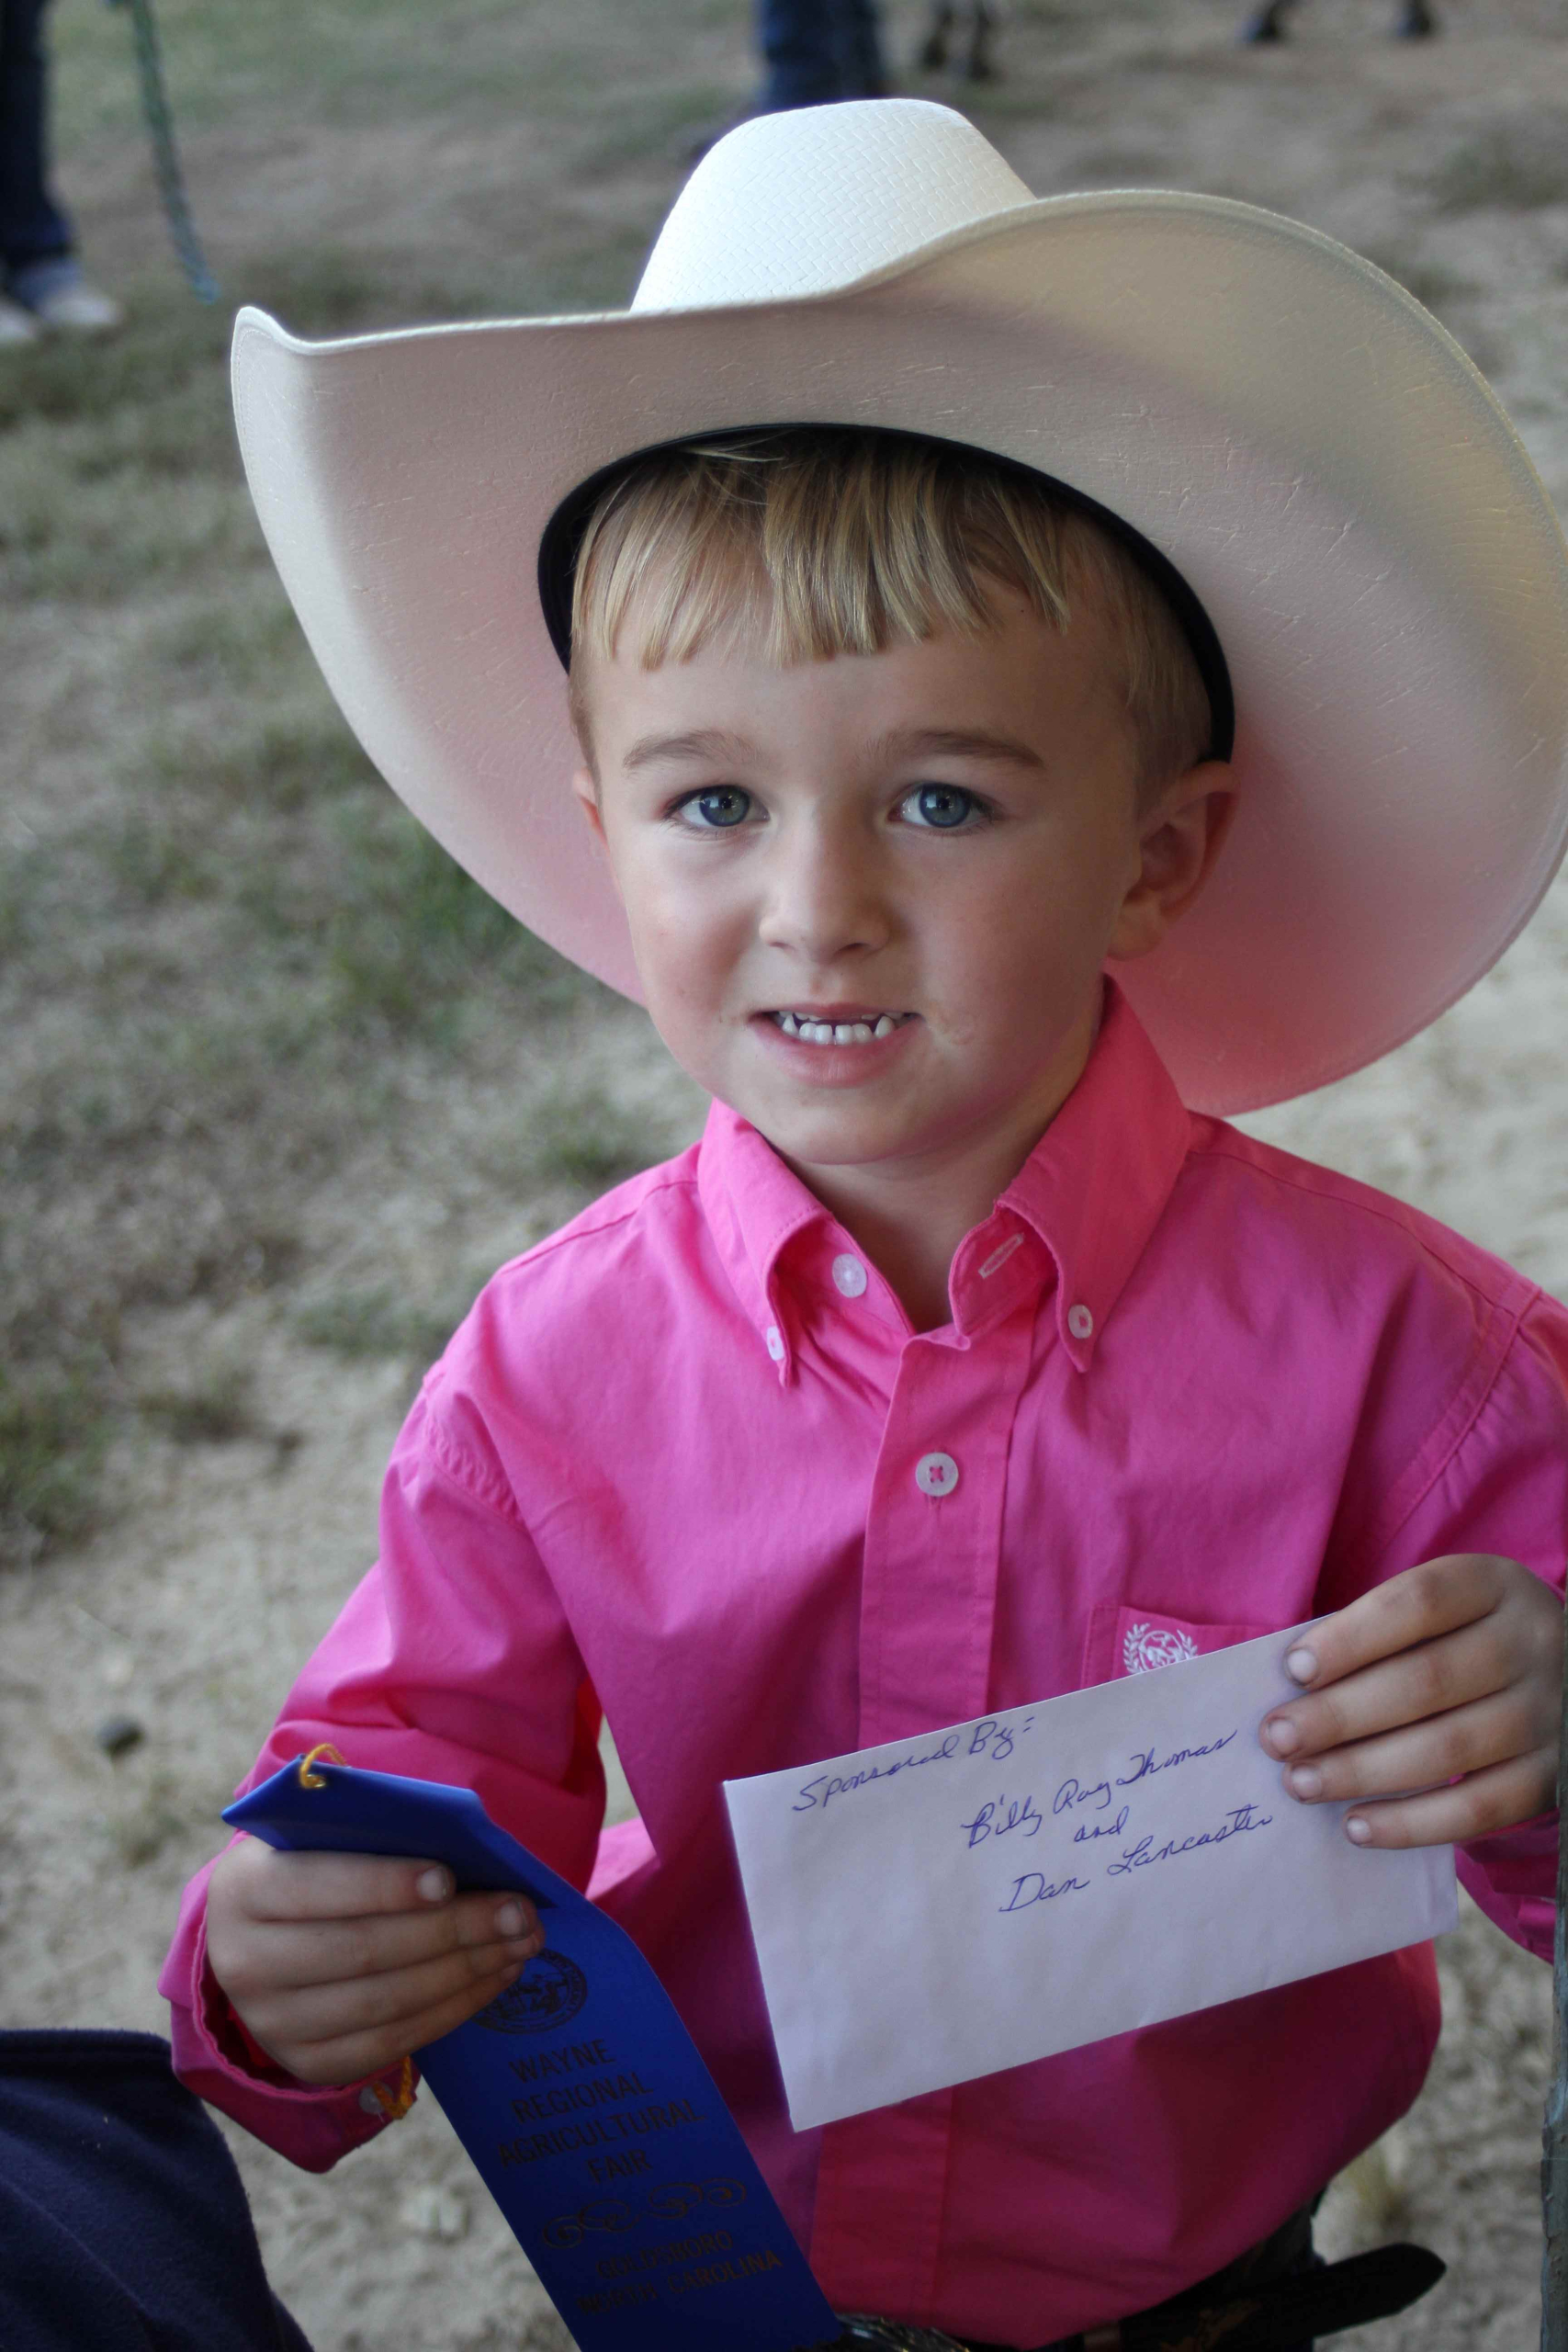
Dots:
pixel 683 1462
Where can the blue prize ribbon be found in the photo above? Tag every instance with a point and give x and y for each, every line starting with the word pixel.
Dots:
pixel 580 2096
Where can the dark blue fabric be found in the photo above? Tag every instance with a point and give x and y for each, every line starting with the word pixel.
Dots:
pixel 817 50
pixel 123 2225
pixel 32 226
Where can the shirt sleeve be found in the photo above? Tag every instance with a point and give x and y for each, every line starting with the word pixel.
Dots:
pixel 1504 1488
pixel 451 1661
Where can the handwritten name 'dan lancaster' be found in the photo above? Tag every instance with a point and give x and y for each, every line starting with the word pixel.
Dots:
pixel 1033 1886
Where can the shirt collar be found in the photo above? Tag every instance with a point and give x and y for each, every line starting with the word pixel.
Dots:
pixel 755 1206
pixel 1096 1182
pixel 1091 1191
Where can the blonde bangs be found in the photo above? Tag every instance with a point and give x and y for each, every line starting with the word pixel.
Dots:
pixel 824 540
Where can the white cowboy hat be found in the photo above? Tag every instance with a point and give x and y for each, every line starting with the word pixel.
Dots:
pixel 1314 455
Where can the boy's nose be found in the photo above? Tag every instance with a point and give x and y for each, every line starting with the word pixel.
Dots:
pixel 825 897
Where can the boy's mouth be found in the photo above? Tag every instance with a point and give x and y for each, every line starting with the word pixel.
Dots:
pixel 851 1026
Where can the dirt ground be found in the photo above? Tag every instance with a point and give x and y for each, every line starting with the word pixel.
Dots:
pixel 373 164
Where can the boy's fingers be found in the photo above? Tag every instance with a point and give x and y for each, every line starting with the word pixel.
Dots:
pixel 286 1953
pixel 272 1885
pixel 1495 1799
pixel 1431 1680
pixel 1497 1730
pixel 394 2002
pixel 1415 1606
pixel 347 2057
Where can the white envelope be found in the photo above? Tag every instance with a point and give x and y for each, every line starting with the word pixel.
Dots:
pixel 978 1897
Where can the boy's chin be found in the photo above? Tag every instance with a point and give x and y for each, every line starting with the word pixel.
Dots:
pixel 838 1135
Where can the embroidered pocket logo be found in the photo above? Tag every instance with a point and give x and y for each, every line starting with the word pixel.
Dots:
pixel 1145 1647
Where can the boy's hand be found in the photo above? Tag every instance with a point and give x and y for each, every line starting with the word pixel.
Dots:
pixel 1451 1669
pixel 340 1964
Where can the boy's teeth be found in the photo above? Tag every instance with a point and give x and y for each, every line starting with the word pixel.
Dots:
pixel 813 1032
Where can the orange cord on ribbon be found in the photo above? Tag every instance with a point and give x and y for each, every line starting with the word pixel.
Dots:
pixel 395 2104
pixel 309 1780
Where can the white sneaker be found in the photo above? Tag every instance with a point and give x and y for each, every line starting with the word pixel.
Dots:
pixel 77 308
pixel 16 327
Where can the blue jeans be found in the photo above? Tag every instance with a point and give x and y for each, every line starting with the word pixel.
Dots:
pixel 817 50
pixel 32 226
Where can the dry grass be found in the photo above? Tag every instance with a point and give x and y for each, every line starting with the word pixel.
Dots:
pixel 1517 164
pixel 226 955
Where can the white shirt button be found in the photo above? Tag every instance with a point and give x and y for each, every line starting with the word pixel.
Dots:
pixel 775 1344
pixel 368 2102
pixel 849 1276
pixel 1080 1322
pixel 936 1473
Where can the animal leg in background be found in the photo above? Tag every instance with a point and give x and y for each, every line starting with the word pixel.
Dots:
pixel 982 17
pixel 1269 23
pixel 1416 20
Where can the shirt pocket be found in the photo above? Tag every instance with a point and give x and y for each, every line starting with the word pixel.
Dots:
pixel 1124 1641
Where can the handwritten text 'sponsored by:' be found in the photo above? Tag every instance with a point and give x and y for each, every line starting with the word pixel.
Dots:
pixel 979 1897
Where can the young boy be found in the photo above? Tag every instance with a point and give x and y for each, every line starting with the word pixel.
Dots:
pixel 960 1364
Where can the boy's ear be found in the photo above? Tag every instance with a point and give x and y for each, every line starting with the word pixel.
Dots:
pixel 586 793
pixel 1179 842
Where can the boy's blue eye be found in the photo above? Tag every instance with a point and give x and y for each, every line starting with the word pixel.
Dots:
pixel 724 805
pixel 943 806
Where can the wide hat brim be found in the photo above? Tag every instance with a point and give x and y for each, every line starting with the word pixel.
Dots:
pixel 1313 452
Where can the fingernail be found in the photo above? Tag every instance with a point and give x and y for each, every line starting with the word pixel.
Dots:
pixel 1281 1735
pixel 527 1947
pixel 1357 1831
pixel 1302 1781
pixel 1301 1665
pixel 509 1920
pixel 435 1885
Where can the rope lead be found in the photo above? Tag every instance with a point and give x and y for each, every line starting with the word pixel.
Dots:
pixel 159 124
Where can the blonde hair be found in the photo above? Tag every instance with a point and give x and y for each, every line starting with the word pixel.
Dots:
pixel 835 539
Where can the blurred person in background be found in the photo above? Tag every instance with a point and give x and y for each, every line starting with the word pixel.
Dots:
pixel 41 284
pixel 817 50
pixel 1414 21
pixel 813 52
